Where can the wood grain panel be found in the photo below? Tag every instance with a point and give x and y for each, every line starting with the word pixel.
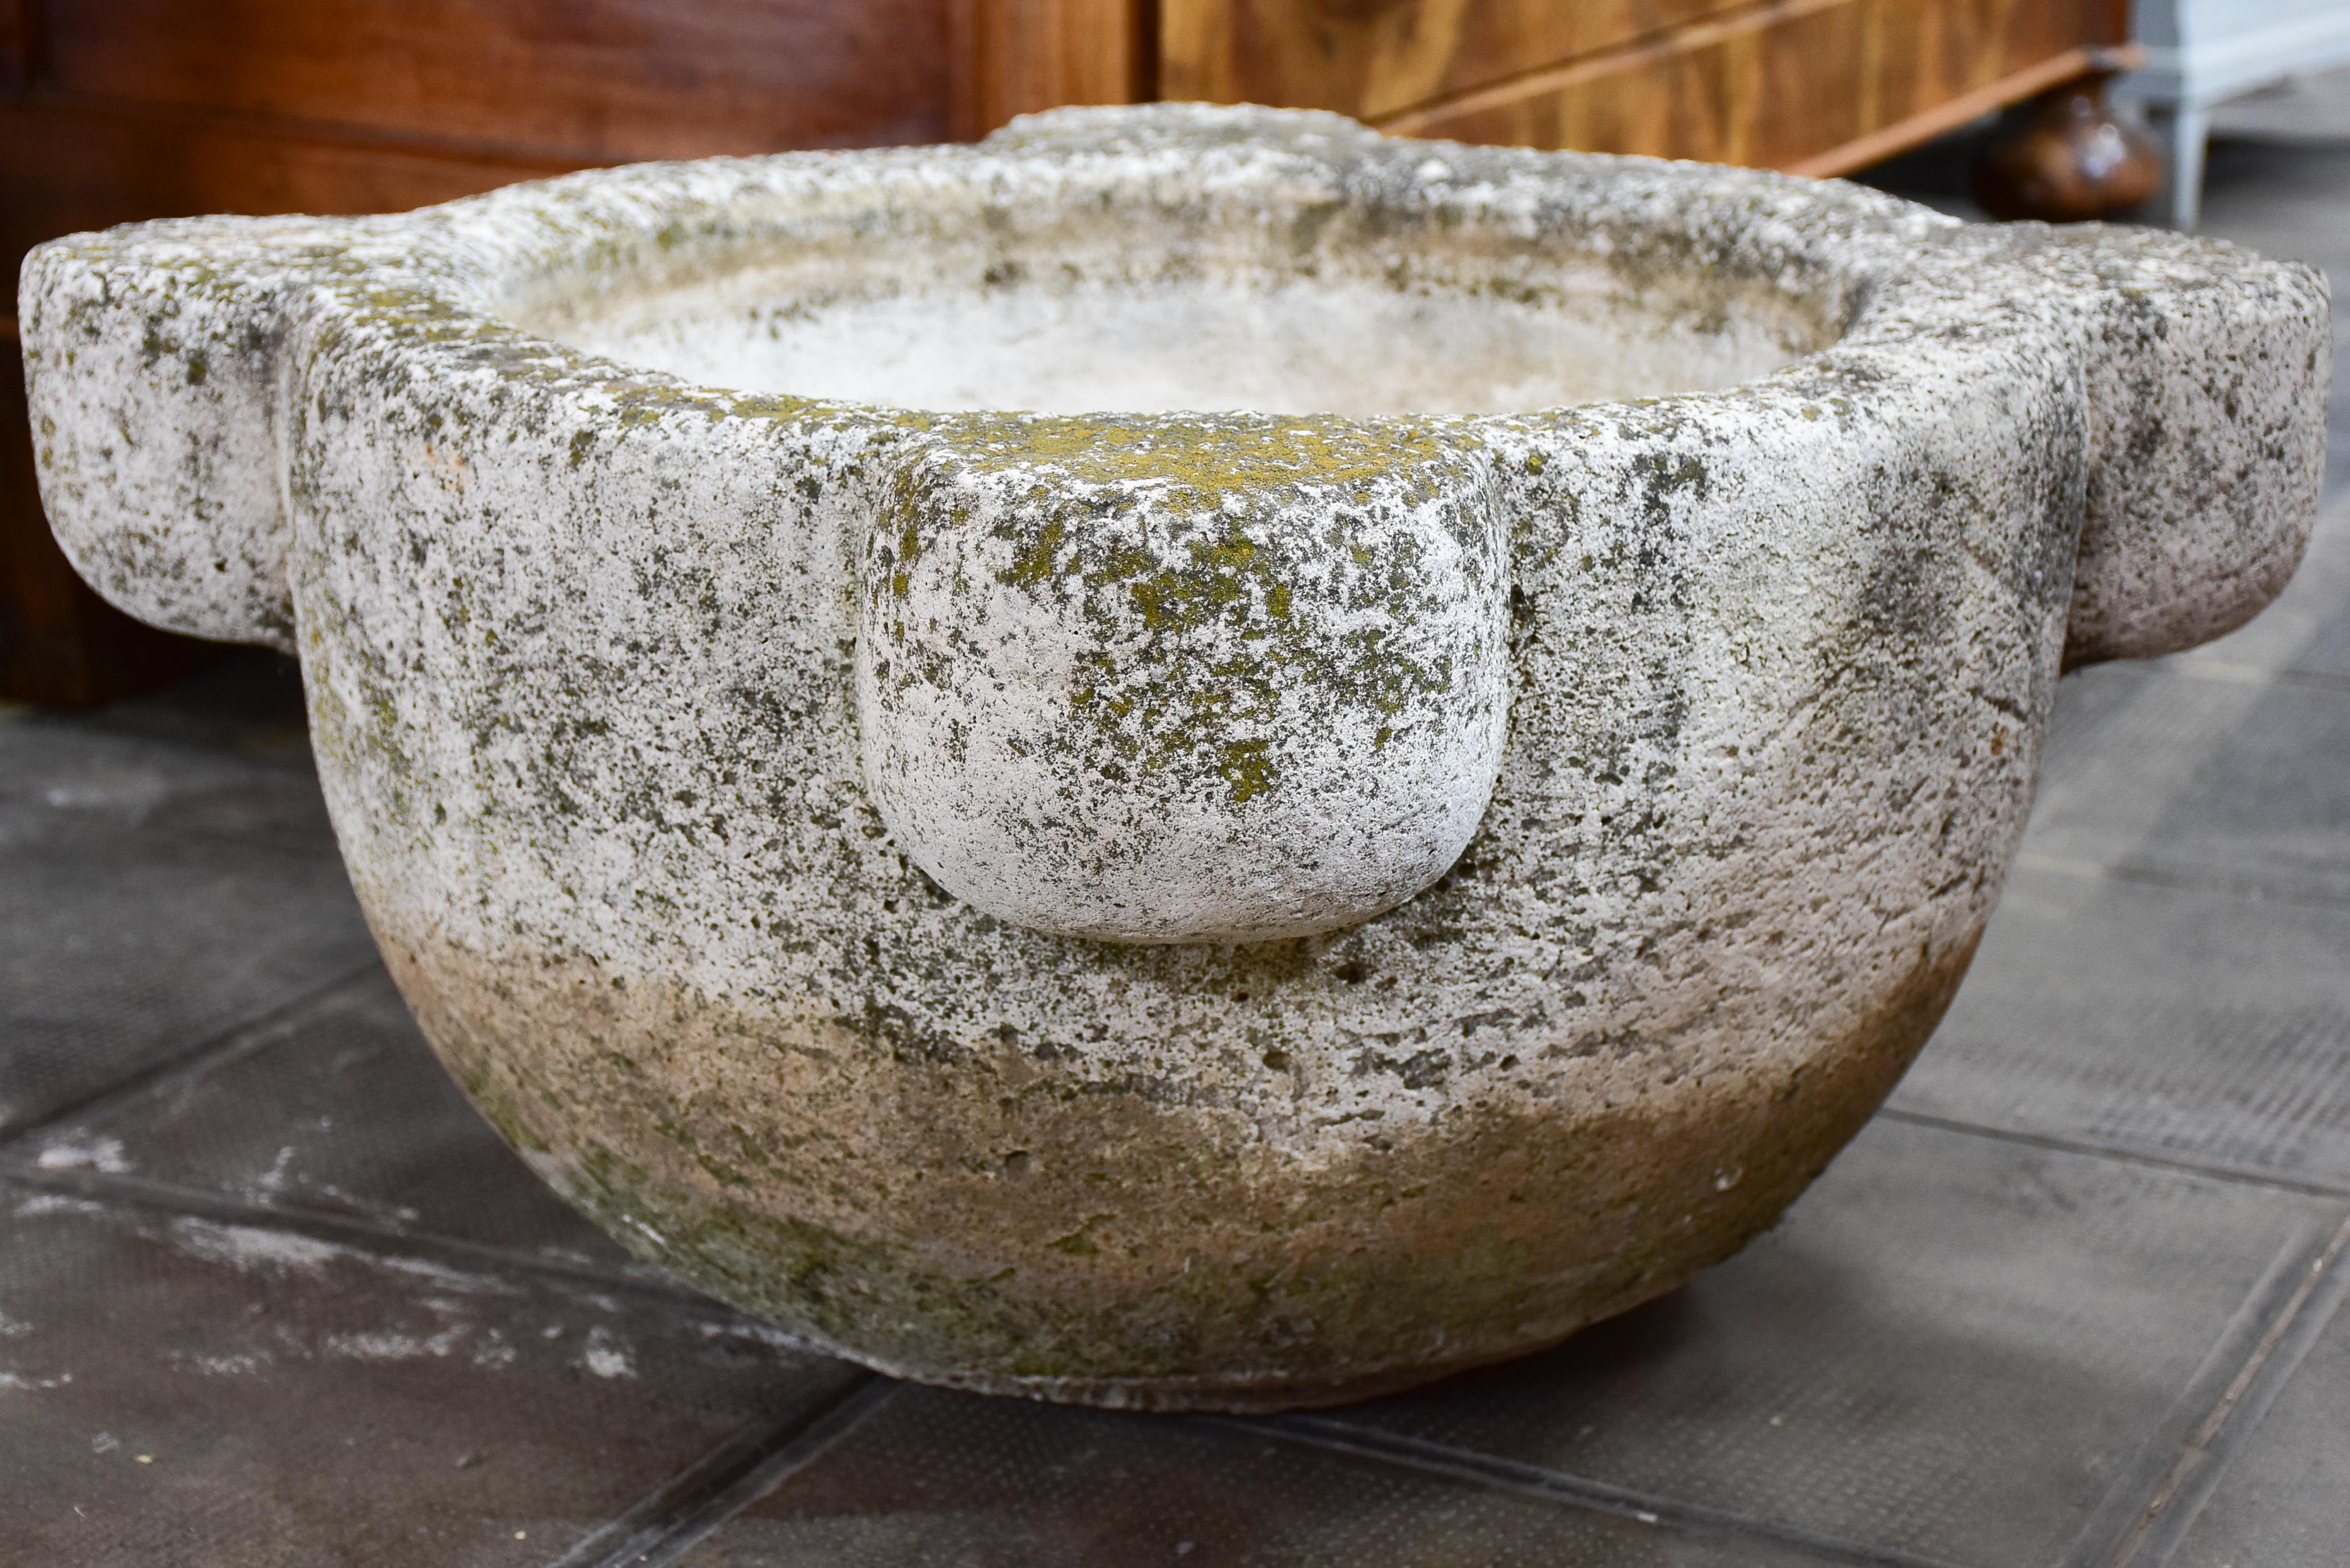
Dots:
pixel 1784 84
pixel 1015 56
pixel 65 168
pixel 1926 55
pixel 18 44
pixel 593 81
pixel 1373 57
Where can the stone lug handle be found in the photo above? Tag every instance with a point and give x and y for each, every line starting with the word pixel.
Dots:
pixel 1187 680
pixel 2207 370
pixel 153 375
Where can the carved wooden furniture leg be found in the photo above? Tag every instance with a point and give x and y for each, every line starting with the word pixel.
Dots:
pixel 2063 157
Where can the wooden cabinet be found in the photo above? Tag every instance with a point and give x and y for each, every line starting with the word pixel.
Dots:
pixel 112 111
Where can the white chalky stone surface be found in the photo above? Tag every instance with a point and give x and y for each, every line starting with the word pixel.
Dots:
pixel 738 886
pixel 1264 699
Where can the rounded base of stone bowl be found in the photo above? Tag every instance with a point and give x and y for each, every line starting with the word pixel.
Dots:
pixel 1116 1258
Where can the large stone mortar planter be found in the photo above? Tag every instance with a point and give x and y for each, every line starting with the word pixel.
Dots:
pixel 1209 908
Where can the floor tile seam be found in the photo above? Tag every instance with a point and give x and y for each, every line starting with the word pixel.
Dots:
pixel 2140 1476
pixel 2189 878
pixel 2096 1148
pixel 278 845
pixel 2320 679
pixel 689 1506
pixel 368 1239
pixel 224 1045
pixel 69 728
pixel 2241 673
pixel 2239 890
pixel 2160 1527
pixel 1340 1436
pixel 142 831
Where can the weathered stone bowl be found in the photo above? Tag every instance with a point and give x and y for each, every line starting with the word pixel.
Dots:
pixel 1421 826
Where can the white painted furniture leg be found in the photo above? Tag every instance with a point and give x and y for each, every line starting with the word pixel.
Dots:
pixel 2185 128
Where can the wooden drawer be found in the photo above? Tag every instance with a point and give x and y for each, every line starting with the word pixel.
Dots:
pixel 1813 86
pixel 1375 59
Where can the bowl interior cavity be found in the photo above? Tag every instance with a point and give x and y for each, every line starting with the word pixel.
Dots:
pixel 1098 306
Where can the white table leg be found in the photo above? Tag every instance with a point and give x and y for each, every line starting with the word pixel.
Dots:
pixel 2184 128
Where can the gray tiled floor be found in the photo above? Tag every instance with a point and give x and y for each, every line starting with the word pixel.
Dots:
pixel 336 1110
pixel 2204 773
pixel 127 938
pixel 271 1293
pixel 2174 1022
pixel 2286 1498
pixel 939 1477
pixel 190 1389
pixel 1956 1348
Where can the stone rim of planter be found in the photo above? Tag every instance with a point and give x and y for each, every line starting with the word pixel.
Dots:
pixel 595 657
pixel 451 273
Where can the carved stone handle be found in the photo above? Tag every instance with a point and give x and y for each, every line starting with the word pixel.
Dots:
pixel 2207 369
pixel 1258 691
pixel 153 373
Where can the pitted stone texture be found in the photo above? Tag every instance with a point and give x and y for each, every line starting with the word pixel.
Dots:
pixel 2188 540
pixel 581 641
pixel 160 457
pixel 1259 695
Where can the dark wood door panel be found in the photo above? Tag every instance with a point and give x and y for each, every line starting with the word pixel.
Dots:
pixel 597 80
pixel 66 168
